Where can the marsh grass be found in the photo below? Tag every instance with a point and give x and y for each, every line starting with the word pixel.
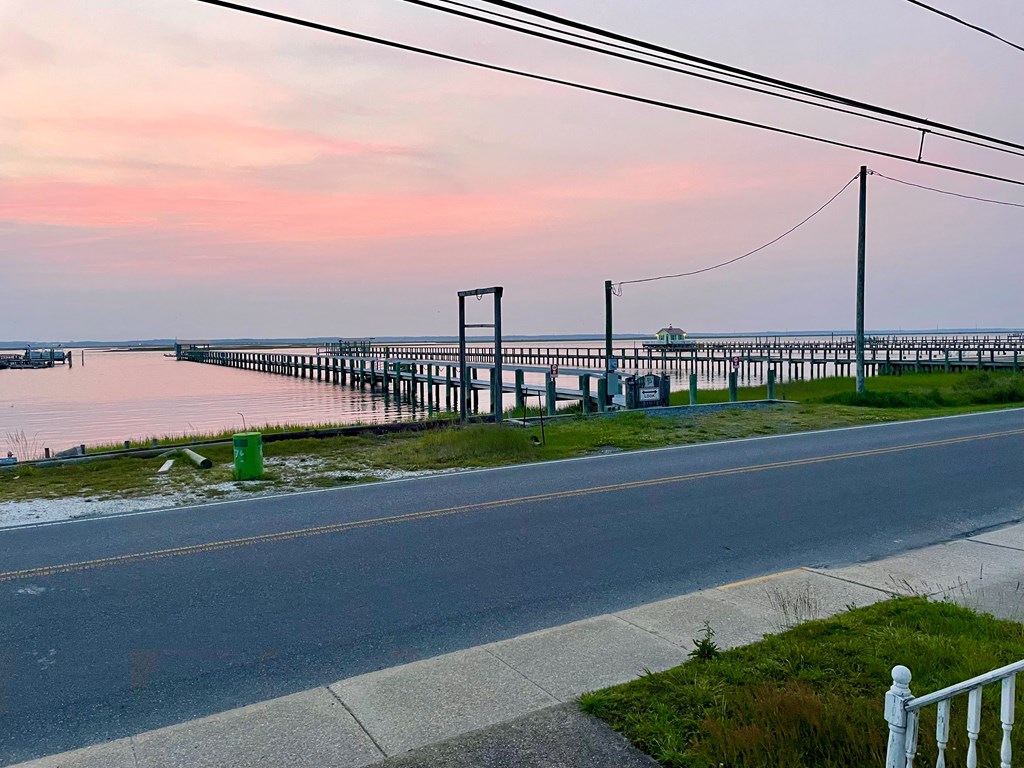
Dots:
pixel 25 447
pixel 812 696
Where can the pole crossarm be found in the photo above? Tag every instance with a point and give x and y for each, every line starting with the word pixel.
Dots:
pixel 481 291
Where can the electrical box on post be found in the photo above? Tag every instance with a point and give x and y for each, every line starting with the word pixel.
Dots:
pixel 648 391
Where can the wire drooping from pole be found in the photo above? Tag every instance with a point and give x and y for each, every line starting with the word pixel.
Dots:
pixel 760 248
pixel 633 54
pixel 598 90
pixel 773 81
pixel 948 192
pixel 965 23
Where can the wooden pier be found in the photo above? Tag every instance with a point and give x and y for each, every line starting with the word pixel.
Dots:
pixel 433 383
pixel 429 374
pixel 795 358
pixel 35 359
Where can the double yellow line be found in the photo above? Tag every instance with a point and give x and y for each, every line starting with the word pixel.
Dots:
pixel 320 530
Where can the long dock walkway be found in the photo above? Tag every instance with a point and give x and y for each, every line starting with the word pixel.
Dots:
pixel 429 374
pixel 796 358
pixel 430 381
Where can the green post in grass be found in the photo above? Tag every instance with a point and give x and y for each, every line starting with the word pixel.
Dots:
pixel 549 383
pixel 771 385
pixel 693 389
pixel 519 388
pixel 602 395
pixel 585 392
pixel 733 395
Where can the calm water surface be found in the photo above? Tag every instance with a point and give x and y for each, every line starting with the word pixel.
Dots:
pixel 118 396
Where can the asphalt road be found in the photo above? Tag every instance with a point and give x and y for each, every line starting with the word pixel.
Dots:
pixel 116 625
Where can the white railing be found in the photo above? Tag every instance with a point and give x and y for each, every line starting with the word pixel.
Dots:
pixel 902 711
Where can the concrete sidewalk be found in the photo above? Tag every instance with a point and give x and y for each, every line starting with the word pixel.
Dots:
pixel 518 688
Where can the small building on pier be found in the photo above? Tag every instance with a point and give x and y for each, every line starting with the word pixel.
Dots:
pixel 669 337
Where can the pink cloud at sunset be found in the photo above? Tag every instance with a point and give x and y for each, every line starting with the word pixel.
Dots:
pixel 156 140
pixel 247 212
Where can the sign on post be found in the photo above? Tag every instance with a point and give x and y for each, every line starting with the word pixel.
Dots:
pixel 554 370
pixel 650 389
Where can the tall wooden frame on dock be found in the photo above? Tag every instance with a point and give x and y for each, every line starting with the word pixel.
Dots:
pixel 465 386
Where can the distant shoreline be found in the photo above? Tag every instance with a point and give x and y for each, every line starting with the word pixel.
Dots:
pixel 158 344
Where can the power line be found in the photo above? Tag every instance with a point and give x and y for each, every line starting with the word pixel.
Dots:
pixel 564 21
pixel 947 192
pixel 968 24
pixel 789 231
pixel 633 55
pixel 595 89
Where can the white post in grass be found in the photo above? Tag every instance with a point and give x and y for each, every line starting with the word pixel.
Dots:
pixel 896 716
pixel 1006 715
pixel 973 726
pixel 901 712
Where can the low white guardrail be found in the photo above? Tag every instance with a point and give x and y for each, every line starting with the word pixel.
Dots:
pixel 902 710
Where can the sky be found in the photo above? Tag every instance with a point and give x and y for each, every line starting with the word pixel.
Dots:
pixel 170 168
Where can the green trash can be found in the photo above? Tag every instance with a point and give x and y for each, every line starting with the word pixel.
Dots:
pixel 248 455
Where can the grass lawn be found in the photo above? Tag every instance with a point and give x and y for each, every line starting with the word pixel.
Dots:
pixel 963 390
pixel 813 696
pixel 312 463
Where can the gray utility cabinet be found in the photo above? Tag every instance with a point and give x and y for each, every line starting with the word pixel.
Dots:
pixel 647 391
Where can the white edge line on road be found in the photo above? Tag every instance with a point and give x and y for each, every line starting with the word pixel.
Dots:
pixel 507 468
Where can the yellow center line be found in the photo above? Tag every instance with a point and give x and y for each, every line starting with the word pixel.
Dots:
pixel 245 541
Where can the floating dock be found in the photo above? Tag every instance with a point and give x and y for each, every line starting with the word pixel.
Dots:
pixel 35 358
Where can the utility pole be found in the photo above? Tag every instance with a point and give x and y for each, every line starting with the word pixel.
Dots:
pixel 861 237
pixel 607 325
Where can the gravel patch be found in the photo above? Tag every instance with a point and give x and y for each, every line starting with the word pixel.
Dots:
pixel 294 475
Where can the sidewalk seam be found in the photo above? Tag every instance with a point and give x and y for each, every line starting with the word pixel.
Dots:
pixel 888 592
pixel 993 544
pixel 655 635
pixel 135 756
pixel 358 721
pixel 519 672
